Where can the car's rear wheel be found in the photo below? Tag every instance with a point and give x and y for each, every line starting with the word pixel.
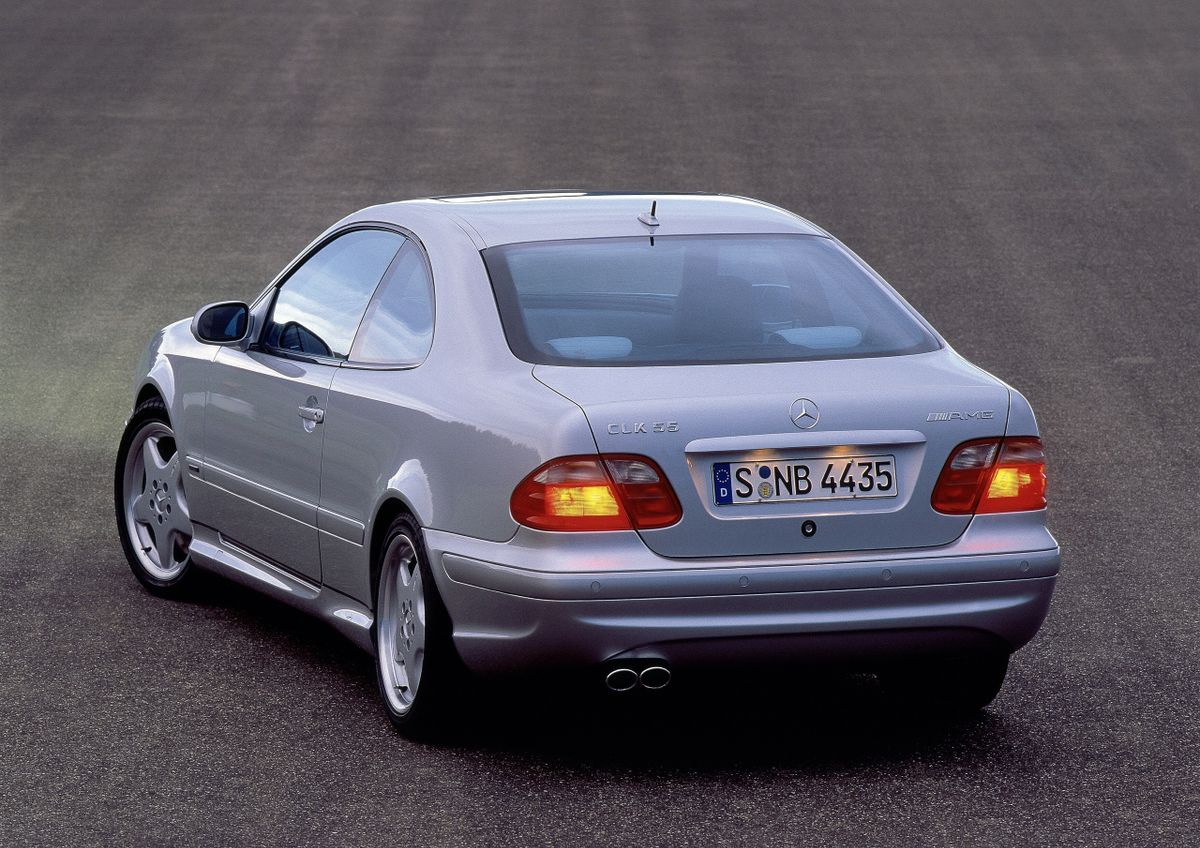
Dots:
pixel 415 662
pixel 151 505
pixel 957 687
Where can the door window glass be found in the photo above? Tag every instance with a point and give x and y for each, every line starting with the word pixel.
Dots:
pixel 319 307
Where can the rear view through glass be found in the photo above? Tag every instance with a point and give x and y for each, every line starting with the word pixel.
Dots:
pixel 684 300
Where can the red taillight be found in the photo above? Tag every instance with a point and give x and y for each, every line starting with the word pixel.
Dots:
pixel 608 492
pixel 644 490
pixel 993 475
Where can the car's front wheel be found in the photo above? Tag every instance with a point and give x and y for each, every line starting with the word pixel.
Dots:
pixel 415 662
pixel 151 505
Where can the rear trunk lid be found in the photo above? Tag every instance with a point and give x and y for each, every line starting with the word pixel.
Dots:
pixel 710 427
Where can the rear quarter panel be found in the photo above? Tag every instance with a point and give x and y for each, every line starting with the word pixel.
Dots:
pixel 451 437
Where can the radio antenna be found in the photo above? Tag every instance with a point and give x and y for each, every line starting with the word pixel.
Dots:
pixel 648 218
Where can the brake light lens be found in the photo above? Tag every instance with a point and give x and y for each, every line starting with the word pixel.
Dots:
pixel 605 492
pixel 993 475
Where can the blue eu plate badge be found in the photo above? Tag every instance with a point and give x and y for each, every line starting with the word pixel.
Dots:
pixel 722 483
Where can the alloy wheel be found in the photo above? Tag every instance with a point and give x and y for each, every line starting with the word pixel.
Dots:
pixel 401 635
pixel 155 507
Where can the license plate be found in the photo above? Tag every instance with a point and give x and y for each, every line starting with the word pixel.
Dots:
pixel 819 479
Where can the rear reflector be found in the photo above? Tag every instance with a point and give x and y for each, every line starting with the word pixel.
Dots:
pixel 992 475
pixel 607 492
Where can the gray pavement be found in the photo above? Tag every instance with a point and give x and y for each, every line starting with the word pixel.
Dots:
pixel 1026 173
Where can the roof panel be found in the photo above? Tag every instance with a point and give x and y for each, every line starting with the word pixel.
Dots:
pixel 505 218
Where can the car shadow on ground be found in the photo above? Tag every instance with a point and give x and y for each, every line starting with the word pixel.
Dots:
pixel 816 720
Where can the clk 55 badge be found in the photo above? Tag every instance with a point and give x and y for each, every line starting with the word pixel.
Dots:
pixel 643 427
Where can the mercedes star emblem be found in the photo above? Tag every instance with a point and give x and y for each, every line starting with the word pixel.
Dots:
pixel 805 413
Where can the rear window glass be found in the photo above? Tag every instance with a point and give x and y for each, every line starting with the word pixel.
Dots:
pixel 684 300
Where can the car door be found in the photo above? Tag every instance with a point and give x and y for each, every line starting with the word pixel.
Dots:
pixel 264 419
pixel 378 409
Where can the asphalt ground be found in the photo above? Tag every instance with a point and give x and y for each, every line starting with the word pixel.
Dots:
pixel 1026 173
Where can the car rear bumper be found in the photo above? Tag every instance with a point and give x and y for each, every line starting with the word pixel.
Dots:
pixel 511 618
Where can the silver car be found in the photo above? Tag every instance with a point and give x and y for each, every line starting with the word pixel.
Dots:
pixel 630 436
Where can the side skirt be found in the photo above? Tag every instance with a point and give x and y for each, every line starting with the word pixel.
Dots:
pixel 211 551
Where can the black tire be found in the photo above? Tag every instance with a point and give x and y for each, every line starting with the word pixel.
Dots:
pixel 180 585
pixel 442 676
pixel 953 688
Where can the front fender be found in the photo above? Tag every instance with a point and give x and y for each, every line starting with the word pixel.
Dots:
pixel 175 365
pixel 144 376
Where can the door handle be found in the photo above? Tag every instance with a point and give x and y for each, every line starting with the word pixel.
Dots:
pixel 312 413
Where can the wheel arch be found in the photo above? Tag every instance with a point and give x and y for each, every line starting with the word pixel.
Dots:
pixel 154 372
pixel 148 390
pixel 392 507
pixel 408 492
pixel 158 381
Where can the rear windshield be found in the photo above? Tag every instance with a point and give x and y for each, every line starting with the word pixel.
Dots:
pixel 687 300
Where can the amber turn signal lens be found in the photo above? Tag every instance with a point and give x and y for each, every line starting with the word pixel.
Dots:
pixel 1019 481
pixel 605 492
pixel 992 475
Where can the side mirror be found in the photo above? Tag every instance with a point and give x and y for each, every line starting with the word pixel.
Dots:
pixel 222 323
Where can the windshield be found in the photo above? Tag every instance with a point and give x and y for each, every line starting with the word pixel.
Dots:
pixel 685 300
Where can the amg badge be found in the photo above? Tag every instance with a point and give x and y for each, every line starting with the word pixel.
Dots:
pixel 982 414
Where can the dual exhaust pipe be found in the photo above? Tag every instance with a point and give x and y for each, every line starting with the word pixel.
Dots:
pixel 624 679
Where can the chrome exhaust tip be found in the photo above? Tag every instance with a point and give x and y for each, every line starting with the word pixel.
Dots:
pixel 655 677
pixel 621 679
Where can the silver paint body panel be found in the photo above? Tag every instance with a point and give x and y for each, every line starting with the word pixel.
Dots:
pixel 262 465
pixel 870 404
pixel 537 603
pixel 292 509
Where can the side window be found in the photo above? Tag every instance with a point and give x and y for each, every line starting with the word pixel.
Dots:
pixel 319 307
pixel 399 323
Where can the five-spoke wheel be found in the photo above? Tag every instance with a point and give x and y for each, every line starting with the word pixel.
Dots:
pixel 419 674
pixel 401 638
pixel 152 509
